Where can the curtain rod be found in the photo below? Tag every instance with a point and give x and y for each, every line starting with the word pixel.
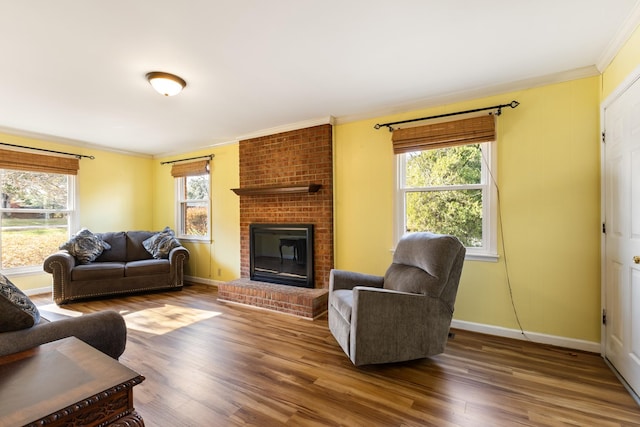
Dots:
pixel 210 156
pixel 78 156
pixel 512 104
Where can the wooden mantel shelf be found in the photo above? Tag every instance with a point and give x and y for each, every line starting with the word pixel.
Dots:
pixel 277 189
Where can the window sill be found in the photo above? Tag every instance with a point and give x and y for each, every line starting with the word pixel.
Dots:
pixel 484 257
pixel 204 240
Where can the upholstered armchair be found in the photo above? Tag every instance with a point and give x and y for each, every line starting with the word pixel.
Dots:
pixel 404 315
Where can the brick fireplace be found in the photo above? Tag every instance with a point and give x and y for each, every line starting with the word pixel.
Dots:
pixel 286 178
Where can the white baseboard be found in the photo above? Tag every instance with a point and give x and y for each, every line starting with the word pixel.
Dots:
pixel 593 347
pixel 38 291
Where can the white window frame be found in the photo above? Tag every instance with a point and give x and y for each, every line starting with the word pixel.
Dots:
pixel 180 198
pixel 489 250
pixel 72 224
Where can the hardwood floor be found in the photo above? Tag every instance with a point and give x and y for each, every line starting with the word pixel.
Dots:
pixel 213 364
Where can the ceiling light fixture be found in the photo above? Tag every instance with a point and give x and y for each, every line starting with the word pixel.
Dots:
pixel 166 84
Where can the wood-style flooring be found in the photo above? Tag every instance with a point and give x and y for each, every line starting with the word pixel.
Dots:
pixel 213 364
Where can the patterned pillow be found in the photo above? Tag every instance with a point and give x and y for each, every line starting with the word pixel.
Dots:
pixel 160 244
pixel 85 246
pixel 16 309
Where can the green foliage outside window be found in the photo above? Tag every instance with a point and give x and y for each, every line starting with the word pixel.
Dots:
pixel 438 207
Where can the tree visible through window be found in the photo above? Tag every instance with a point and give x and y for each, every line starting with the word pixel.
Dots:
pixel 447 191
pixel 36 213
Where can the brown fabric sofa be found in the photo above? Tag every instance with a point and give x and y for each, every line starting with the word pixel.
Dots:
pixel 127 267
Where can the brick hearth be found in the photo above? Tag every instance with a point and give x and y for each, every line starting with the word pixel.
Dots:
pixel 303 302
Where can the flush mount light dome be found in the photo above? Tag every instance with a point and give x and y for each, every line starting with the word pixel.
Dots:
pixel 166 84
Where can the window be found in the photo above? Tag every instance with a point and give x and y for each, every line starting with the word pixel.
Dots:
pixel 193 207
pixel 37 213
pixel 448 190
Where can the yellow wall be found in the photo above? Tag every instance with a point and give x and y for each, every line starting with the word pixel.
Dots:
pixel 114 193
pixel 218 260
pixel 548 174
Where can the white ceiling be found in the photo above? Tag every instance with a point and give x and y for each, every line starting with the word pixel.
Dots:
pixel 75 70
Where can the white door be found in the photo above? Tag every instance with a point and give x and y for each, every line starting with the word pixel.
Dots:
pixel 622 237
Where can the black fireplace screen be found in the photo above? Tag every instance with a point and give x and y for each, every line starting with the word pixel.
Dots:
pixel 282 253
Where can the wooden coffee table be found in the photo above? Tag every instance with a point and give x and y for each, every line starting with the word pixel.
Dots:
pixel 66 382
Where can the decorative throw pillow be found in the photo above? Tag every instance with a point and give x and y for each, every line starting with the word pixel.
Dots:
pixel 85 246
pixel 160 244
pixel 16 309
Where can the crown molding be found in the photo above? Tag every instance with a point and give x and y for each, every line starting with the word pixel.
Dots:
pixel 196 149
pixel 67 141
pixel 476 93
pixel 622 36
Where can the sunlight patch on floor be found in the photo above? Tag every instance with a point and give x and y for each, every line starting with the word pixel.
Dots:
pixel 161 320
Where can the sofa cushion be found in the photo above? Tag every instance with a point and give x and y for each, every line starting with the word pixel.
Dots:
pixel 147 267
pixel 85 246
pixel 118 251
pixel 98 271
pixel 160 244
pixel 17 311
pixel 135 249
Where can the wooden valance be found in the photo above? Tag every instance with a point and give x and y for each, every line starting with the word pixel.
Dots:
pixel 201 167
pixel 447 134
pixel 19 160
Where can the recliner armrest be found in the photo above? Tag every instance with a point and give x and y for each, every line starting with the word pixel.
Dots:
pixel 104 330
pixel 342 279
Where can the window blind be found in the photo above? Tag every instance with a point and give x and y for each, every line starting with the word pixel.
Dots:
pixel 200 167
pixel 19 160
pixel 447 134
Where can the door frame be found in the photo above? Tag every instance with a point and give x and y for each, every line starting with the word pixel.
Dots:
pixel 613 96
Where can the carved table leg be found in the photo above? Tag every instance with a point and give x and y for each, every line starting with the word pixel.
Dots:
pixel 131 420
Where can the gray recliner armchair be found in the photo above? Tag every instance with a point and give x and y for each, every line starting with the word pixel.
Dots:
pixel 404 315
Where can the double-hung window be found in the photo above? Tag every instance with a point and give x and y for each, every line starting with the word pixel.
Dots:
pixel 37 209
pixel 193 200
pixel 448 187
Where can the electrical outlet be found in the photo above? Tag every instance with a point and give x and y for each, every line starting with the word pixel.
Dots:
pixel 219 272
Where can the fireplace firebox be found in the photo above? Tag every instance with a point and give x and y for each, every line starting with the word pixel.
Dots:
pixel 281 253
